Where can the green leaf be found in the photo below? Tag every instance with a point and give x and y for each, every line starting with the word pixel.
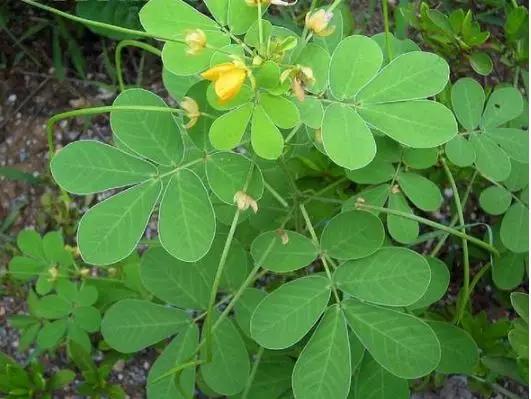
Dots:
pixel 112 12
pixel 229 368
pixel 227 131
pixel 268 76
pixel 422 192
pixel 460 151
pixel 22 268
pixel 495 200
pixel 440 279
pixel 110 231
pixel 245 307
pixel 53 307
pixel 352 235
pixel 330 42
pixel 88 318
pixel 87 295
pixel 376 172
pixel 418 124
pixel 87 167
pixel 481 63
pixel 346 138
pixel 266 139
pixel 392 276
pixel 178 60
pixel 503 105
pixel 311 112
pixel 30 243
pixel 61 378
pixel 323 367
pixel 520 302
pixel 316 58
pixel 51 333
pixel 227 174
pixel 151 134
pixel 468 99
pixel 508 271
pixel 355 61
pixel 241 16
pixel 178 86
pixel 252 36
pixel 420 158
pixel 178 351
pixel 491 160
pixel 283 112
pixel 459 352
pixel 404 345
pixel 403 230
pixel 410 76
pixel 376 195
pixel 514 232
pixel 512 141
pixel 132 324
pixel 218 9
pixel 173 18
pixel 284 316
pixel 187 223
pixel 375 382
pixel 174 281
pixel 283 251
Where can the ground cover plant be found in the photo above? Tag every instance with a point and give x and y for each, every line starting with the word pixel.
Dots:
pixel 295 177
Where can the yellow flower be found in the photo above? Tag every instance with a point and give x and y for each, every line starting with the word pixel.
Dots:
pixel 228 79
pixel 196 41
pixel 191 111
pixel 318 21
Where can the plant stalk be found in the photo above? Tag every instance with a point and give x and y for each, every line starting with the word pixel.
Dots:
pixel 118 56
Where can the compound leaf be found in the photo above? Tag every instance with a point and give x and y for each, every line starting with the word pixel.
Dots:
pixel 404 345
pixel 284 316
pixel 110 231
pixel 283 251
pixel 88 166
pixel 346 138
pixel 133 324
pixel 152 134
pixel 323 368
pixel 187 223
pixel 352 235
pixel 392 276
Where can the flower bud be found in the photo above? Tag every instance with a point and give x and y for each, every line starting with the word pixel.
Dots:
pixel 191 111
pixel 317 22
pixel 196 41
pixel 244 201
pixel 284 238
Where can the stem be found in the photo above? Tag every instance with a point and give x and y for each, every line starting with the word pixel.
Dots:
pixel 497 388
pixel 89 22
pixel 275 194
pixel 260 27
pixel 321 256
pixel 217 281
pixel 433 224
pixel 453 222
pixel 466 260
pixel 385 8
pixel 478 276
pixel 118 56
pixel 253 373
pixel 325 189
pixel 94 111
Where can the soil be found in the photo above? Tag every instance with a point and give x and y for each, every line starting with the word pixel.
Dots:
pixel 30 92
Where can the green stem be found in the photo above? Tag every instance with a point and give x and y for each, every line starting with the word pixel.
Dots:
pixel 433 224
pixel 275 194
pixel 385 9
pixel 453 222
pixel 253 373
pixel 466 261
pixel 260 27
pixel 96 24
pixel 95 111
pixel 293 132
pixel 497 388
pixel 325 189
pixel 333 5
pixel 477 277
pixel 315 240
pixel 118 56
pixel 217 281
